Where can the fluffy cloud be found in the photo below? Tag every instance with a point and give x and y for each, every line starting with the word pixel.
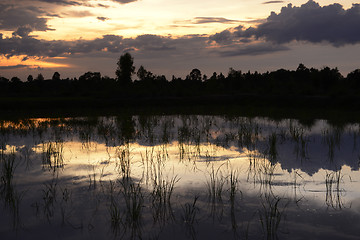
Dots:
pixel 31 46
pixel 13 17
pixel 312 23
pixel 308 23
pixel 252 50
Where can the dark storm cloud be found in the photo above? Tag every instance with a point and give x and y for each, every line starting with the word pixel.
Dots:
pixel 253 50
pixel 22 31
pixel 312 23
pixel 30 46
pixel 201 20
pixel 12 17
pixel 271 2
pixel 224 37
pixel 102 18
pixel 309 23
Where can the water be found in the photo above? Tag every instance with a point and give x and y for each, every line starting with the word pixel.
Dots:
pixel 178 177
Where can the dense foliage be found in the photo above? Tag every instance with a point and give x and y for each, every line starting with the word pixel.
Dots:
pixel 300 82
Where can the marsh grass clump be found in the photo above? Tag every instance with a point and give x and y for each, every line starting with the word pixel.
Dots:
pixel 52 155
pixel 162 188
pixel 188 217
pixel 262 171
pixel 7 172
pixel 297 134
pixel 271 215
pixel 115 211
pixel 10 196
pixel 215 184
pixel 272 151
pixel 332 138
pixel 247 135
pixel 161 198
pixel 49 198
pixel 134 201
pixel 333 190
pixel 124 161
pixel 233 182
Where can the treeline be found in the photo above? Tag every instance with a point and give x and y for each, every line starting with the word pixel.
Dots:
pixel 300 82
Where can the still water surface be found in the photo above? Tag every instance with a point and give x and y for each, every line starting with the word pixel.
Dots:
pixel 178 177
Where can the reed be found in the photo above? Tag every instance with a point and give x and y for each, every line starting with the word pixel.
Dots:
pixel 333 190
pixel 124 160
pixel 271 216
pixel 134 200
pixel 52 155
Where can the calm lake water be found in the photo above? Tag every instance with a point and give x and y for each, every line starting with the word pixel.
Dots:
pixel 178 177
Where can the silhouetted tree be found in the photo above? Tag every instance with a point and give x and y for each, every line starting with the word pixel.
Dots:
pixel 30 78
pixel 40 77
pixel 4 80
pixel 195 75
pixel 144 75
pixel 90 77
pixel 15 80
pixel 125 68
pixel 56 76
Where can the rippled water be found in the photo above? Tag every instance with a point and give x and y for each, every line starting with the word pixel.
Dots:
pixel 179 177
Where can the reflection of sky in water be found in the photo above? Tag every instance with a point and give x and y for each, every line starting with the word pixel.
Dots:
pixel 309 176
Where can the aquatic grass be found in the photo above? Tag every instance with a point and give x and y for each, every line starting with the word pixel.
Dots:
pixel 215 184
pixel 49 198
pixel 271 215
pixel 147 160
pixel 332 138
pixel 52 155
pixel 124 160
pixel 115 212
pixel 92 179
pixel 189 213
pixel 134 200
pixel 162 188
pixel 272 151
pixel 233 182
pixel 10 196
pixel 262 171
pixel 301 141
pixel 161 198
pixel 247 134
pixel 333 190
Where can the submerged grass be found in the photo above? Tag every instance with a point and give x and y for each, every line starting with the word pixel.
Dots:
pixel 52 155
pixel 333 190
pixel 271 215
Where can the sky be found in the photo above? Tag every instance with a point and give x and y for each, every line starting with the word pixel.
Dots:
pixel 173 37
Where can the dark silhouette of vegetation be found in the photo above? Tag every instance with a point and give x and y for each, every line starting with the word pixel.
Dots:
pixel 291 85
pixel 125 68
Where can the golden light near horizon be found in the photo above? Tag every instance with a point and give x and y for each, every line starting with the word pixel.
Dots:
pixel 32 63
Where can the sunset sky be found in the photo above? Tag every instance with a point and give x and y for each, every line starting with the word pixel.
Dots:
pixel 173 37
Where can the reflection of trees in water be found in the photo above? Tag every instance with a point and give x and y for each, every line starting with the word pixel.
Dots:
pixel 332 139
pixel 144 203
